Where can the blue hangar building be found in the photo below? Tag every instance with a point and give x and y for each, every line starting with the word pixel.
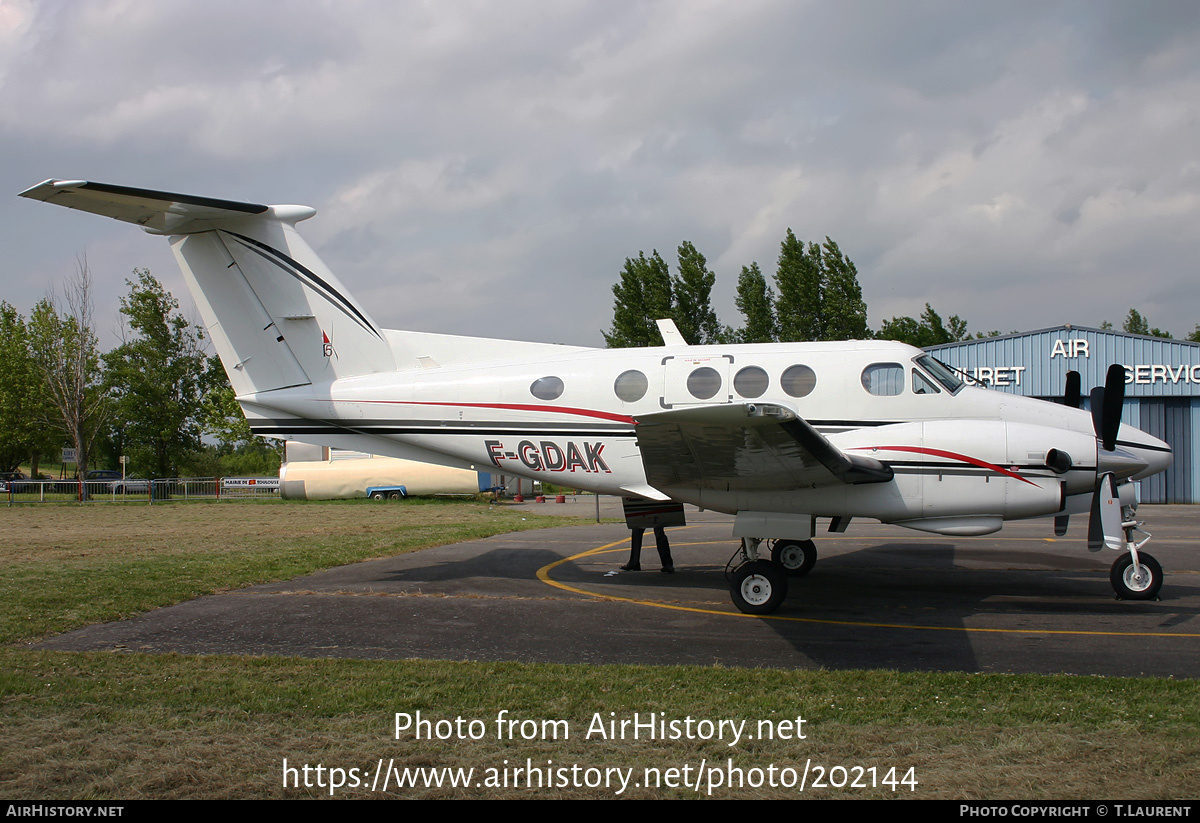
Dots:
pixel 1162 386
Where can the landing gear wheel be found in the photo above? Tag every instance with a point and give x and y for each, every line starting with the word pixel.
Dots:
pixel 1142 583
pixel 378 496
pixel 795 557
pixel 758 587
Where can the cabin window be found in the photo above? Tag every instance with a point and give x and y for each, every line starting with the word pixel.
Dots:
pixel 631 385
pixel 798 381
pixel 922 384
pixel 751 382
pixel 883 379
pixel 547 388
pixel 704 382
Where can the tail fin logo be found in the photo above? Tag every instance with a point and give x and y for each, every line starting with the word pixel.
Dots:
pixel 326 345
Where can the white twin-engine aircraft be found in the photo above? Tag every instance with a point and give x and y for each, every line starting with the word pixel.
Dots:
pixel 775 434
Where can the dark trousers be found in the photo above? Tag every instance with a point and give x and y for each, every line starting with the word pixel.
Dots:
pixel 660 542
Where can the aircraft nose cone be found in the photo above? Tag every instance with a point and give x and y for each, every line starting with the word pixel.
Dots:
pixel 1154 453
pixel 1122 462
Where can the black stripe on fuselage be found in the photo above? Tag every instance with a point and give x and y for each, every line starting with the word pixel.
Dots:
pixel 393 427
pixel 1145 446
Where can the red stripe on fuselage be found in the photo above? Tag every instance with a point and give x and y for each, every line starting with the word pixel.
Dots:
pixel 619 418
pixel 974 461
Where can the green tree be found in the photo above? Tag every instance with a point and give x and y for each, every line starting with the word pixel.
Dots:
pixel 798 280
pixel 1136 324
pixel 156 377
pixel 756 302
pixel 842 307
pixel 1195 335
pixel 641 296
pixel 64 350
pixel 819 294
pixel 692 289
pixel 929 330
pixel 24 403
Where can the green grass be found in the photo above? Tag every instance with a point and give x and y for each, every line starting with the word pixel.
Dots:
pixel 107 725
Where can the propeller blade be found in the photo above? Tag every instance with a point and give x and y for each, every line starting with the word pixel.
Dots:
pixel 1095 527
pixel 1073 395
pixel 1060 524
pixel 1114 400
pixel 1096 396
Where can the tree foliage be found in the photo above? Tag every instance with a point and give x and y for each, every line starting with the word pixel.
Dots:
pixel 64 350
pixel 819 294
pixel 642 296
pixel 929 330
pixel 692 290
pixel 756 302
pixel 156 377
pixel 24 402
pixel 798 280
pixel 842 307
pixel 1136 324
pixel 819 298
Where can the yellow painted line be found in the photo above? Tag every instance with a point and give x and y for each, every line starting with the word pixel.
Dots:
pixel 543 574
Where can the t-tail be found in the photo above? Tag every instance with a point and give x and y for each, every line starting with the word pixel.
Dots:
pixel 277 316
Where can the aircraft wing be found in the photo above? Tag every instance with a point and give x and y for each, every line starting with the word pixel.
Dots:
pixel 745 446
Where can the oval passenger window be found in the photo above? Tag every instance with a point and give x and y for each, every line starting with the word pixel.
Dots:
pixel 751 382
pixel 704 382
pixel 547 388
pixel 631 385
pixel 798 381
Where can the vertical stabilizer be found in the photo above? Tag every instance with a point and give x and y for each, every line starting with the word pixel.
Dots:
pixel 277 316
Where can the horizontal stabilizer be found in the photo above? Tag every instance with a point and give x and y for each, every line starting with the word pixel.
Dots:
pixel 159 212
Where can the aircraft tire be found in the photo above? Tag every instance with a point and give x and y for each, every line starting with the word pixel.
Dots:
pixel 378 496
pixel 1128 585
pixel 758 587
pixel 795 557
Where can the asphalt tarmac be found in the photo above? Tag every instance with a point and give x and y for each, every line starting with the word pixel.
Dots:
pixel 879 597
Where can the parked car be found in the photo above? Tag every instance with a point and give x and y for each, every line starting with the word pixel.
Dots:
pixel 114 483
pixel 11 481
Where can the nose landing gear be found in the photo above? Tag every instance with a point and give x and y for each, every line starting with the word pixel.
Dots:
pixel 1136 575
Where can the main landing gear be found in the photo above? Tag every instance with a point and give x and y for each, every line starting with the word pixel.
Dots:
pixel 759 586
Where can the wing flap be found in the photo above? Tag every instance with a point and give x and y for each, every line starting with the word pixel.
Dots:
pixel 745 447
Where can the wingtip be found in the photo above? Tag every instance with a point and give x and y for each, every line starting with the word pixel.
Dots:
pixel 52 185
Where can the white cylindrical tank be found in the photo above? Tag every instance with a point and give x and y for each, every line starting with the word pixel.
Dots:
pixel 316 474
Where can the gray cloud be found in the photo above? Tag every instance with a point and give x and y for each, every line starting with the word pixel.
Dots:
pixel 485 168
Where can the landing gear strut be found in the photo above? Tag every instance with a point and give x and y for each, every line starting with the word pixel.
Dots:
pixel 1136 575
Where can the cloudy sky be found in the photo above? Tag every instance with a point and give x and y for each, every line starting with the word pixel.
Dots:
pixel 486 167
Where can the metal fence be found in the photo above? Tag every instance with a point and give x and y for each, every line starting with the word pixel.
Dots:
pixel 140 491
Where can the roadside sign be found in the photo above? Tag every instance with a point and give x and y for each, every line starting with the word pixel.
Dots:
pixel 250 482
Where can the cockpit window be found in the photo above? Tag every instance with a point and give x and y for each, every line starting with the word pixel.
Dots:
pixel 883 379
pixel 923 385
pixel 940 372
